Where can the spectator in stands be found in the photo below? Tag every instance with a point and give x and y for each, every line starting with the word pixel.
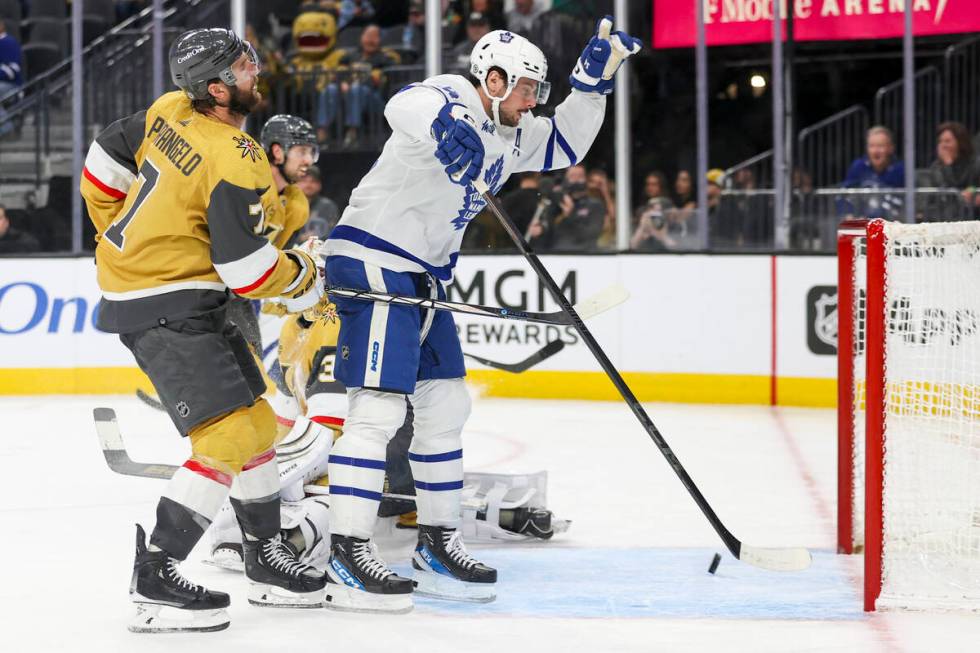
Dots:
pixel 723 223
pixel 580 222
pixel 522 17
pixel 321 208
pixel 598 185
pixel 684 195
pixel 477 26
pixel 956 166
pixel 353 13
pixel 654 188
pixel 14 241
pixel 650 219
pixel 493 11
pixel 413 32
pixel 364 94
pixel 750 209
pixel 11 71
pixel 878 168
pixel 534 207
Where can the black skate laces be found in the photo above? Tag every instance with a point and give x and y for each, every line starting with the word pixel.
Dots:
pixel 175 576
pixel 367 557
pixel 278 556
pixel 453 543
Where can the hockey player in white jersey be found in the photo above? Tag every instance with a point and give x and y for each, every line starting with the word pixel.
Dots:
pixel 401 234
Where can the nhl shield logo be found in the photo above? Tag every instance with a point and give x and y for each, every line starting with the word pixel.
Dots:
pixel 825 324
pixel 822 320
pixel 183 409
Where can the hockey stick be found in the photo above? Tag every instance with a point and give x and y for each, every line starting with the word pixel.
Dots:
pixel 114 449
pixel 547 351
pixel 152 402
pixel 776 559
pixel 117 457
pixel 612 296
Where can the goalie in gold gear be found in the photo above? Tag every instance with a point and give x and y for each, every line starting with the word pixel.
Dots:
pixel 181 197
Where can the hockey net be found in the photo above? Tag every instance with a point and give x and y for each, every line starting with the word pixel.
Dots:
pixel 909 411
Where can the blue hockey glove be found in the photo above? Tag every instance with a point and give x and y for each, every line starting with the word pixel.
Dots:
pixel 459 147
pixel 602 57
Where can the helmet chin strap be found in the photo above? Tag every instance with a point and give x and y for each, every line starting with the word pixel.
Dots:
pixel 495 103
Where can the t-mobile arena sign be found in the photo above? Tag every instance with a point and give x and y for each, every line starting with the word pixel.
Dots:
pixel 735 22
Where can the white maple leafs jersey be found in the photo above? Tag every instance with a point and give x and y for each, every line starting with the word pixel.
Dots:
pixel 407 216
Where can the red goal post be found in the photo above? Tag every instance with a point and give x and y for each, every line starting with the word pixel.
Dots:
pixel 909 411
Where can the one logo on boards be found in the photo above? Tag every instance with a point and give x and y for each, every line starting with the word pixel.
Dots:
pixel 506 37
pixel 183 409
pixel 821 320
pixel 248 147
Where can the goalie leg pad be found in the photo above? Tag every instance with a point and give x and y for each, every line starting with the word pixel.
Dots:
pixel 225 541
pixel 303 457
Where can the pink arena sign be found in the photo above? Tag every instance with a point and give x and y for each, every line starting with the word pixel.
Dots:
pixel 734 22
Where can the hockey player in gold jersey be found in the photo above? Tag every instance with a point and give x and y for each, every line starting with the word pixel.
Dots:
pixel 290 144
pixel 181 199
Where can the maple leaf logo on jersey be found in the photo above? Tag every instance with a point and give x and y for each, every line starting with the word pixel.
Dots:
pixel 248 147
pixel 473 202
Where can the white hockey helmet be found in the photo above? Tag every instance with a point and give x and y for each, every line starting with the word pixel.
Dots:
pixel 516 56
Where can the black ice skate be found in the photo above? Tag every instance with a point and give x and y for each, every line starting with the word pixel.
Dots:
pixel 166 602
pixel 360 581
pixel 277 579
pixel 444 570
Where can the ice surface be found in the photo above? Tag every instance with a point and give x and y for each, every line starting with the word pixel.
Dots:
pixel 630 575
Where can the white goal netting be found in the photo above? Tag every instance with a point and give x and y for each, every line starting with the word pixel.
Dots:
pixel 931 460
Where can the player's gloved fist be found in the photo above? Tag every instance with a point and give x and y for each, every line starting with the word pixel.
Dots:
pixel 307 289
pixel 459 147
pixel 602 57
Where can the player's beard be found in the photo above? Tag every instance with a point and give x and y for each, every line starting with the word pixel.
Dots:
pixel 509 118
pixel 243 102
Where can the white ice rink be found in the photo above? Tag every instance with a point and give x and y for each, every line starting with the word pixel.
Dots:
pixel 630 575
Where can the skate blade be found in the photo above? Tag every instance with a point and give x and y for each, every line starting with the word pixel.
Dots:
pixel 347 599
pixel 270 596
pixel 229 564
pixel 153 618
pixel 436 586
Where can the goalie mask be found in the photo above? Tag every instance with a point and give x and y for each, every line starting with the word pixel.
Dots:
pixel 201 55
pixel 517 57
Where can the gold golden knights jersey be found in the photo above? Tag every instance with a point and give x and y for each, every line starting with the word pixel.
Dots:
pixel 185 209
pixel 295 213
pixel 307 348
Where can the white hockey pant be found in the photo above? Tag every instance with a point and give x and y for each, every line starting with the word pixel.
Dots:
pixel 357 461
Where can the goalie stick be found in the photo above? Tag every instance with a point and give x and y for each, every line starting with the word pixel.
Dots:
pixel 117 457
pixel 776 559
pixel 547 351
pixel 602 301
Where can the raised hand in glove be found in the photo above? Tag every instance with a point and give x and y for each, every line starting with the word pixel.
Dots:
pixel 602 57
